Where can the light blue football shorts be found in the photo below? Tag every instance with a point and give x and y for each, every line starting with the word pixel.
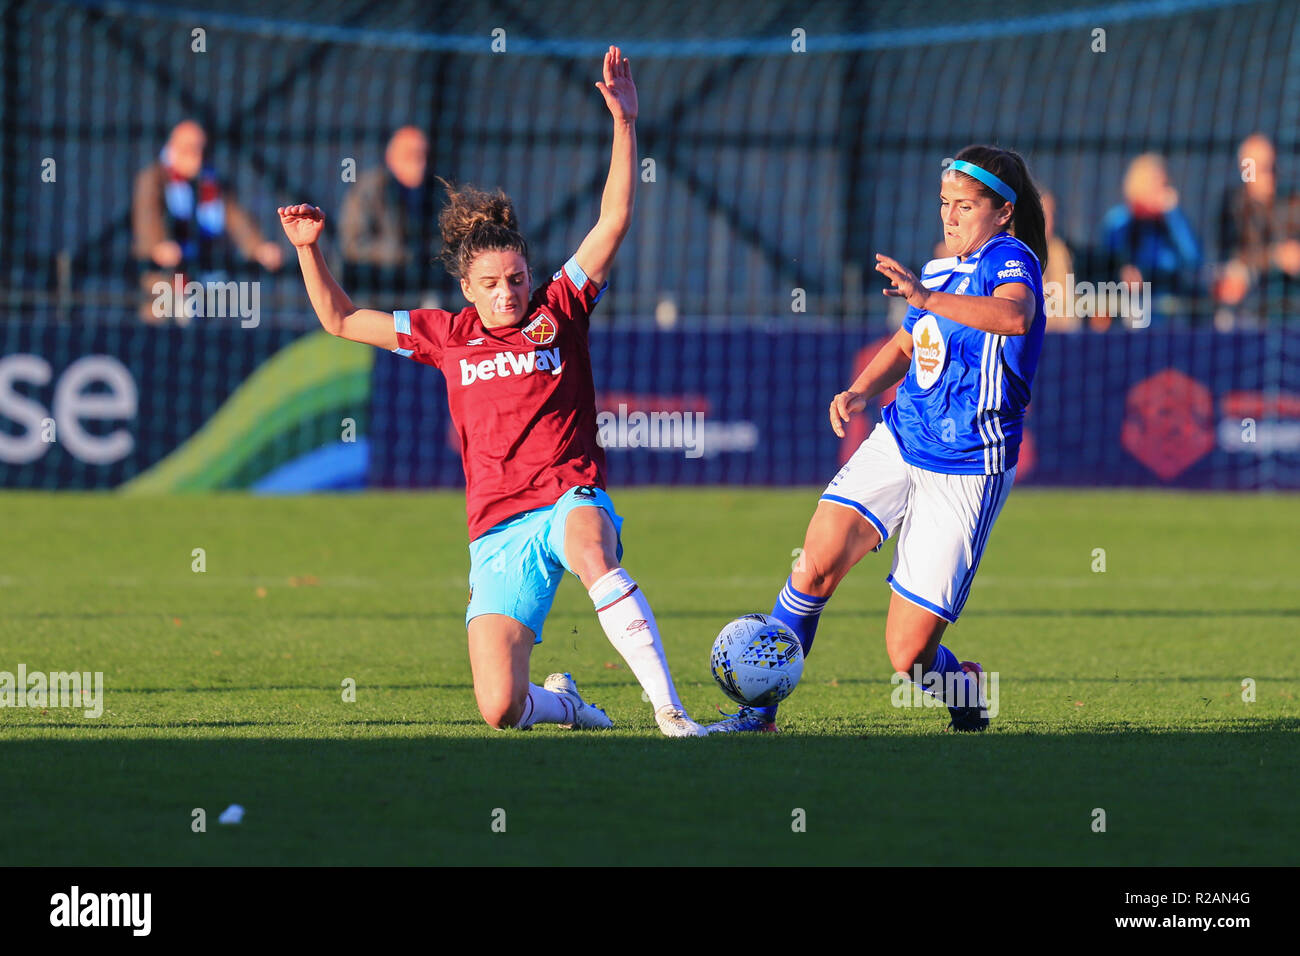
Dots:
pixel 516 566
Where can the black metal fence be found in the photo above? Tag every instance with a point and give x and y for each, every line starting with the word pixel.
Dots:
pixel 784 143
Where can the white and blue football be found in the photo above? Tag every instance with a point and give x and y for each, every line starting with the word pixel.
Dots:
pixel 757 660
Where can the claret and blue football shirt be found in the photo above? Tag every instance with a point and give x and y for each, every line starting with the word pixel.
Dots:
pixel 521 397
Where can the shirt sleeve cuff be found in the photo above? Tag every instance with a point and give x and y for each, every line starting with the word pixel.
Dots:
pixel 575 273
pixel 402 326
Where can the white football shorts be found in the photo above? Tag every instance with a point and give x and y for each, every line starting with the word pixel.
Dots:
pixel 942 521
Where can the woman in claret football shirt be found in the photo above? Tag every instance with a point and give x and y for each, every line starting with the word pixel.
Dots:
pixel 520 391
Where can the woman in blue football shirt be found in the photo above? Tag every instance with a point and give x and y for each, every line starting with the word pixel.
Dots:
pixel 937 470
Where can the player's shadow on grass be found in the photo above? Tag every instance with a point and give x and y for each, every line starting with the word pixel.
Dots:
pixel 896 796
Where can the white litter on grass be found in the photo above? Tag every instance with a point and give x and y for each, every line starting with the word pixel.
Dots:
pixel 232 814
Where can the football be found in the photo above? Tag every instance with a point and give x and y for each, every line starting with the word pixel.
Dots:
pixel 757 660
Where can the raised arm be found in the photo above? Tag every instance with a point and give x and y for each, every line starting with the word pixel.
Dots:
pixel 596 254
pixel 1010 310
pixel 303 225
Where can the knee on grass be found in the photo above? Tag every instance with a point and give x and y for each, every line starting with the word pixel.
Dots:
pixel 501 711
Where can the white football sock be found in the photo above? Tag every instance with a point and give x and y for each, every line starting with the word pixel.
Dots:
pixel 629 624
pixel 541 706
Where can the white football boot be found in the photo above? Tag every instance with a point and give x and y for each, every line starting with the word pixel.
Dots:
pixel 673 722
pixel 585 715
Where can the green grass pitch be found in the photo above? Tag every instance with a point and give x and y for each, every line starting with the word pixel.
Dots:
pixel 1119 690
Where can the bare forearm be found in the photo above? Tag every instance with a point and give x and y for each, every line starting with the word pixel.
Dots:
pixel 620 186
pixel 331 303
pixel 597 251
pixel 988 313
pixel 887 367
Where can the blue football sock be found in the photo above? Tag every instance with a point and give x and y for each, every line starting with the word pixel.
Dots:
pixel 799 612
pixel 948 668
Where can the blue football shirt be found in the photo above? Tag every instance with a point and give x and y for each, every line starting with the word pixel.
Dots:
pixel 960 409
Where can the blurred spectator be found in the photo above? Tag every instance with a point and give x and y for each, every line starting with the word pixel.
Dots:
pixel 1059 269
pixel 1148 239
pixel 1259 239
pixel 184 220
pixel 389 227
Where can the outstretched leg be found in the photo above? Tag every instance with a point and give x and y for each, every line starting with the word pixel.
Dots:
pixel 838 537
pixel 591 552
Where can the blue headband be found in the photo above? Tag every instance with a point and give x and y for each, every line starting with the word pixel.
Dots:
pixel 986 177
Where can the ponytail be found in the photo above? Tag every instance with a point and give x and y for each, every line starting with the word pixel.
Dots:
pixel 1027 222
